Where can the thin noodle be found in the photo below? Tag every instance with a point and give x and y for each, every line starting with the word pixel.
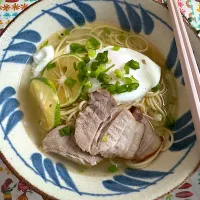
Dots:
pixel 140 165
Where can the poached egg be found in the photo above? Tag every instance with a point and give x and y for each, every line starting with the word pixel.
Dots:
pixel 148 75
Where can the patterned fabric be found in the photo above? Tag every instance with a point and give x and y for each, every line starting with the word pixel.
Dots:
pixel 13 189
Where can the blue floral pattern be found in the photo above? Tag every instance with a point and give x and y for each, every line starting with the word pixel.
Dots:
pixel 136 18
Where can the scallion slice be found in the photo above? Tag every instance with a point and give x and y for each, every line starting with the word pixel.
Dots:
pixel 88 84
pixel 107 31
pixel 131 64
pixel 169 123
pixel 78 48
pixel 156 88
pixel 105 138
pixel 66 131
pixel 70 82
pixel 51 66
pixel 116 48
pixel 118 73
pixel 102 57
pixel 92 43
pixel 112 168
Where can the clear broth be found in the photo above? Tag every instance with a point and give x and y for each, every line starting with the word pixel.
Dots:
pixel 31 114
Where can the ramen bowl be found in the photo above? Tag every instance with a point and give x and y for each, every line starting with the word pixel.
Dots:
pixel 55 177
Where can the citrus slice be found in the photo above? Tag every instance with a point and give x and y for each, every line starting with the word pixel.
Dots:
pixel 44 92
pixel 62 74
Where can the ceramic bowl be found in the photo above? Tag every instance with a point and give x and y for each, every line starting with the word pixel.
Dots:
pixel 53 176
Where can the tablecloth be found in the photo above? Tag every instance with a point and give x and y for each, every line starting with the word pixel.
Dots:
pixel 190 190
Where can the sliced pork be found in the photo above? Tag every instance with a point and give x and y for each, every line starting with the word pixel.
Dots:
pixel 105 129
pixel 67 147
pixel 102 129
pixel 100 107
pixel 87 125
pixel 103 103
pixel 123 137
pixel 137 113
pixel 150 142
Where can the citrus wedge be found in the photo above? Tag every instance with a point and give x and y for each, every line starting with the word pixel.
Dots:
pixel 44 92
pixel 62 74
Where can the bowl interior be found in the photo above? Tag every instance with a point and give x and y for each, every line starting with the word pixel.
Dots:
pixel 45 171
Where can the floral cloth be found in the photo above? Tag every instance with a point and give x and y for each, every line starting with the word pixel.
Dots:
pixel 13 189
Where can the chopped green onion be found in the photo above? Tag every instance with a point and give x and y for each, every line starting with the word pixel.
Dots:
pixel 78 48
pixel 86 59
pixel 102 57
pixel 66 131
pixel 103 77
pixel 83 72
pixel 132 86
pixel 133 79
pixel 106 70
pixel 121 89
pixel 92 43
pixel 130 80
pixel 116 48
pixel 169 123
pixel 84 95
pixel 75 67
pixel 100 68
pixel 93 74
pixel 110 87
pixel 156 88
pixel 112 168
pixel 44 44
pixel 81 66
pixel 118 73
pixel 70 82
pixel 51 66
pixel 100 77
pixel 106 78
pixel 107 31
pixel 88 84
pixel 82 75
pixel 105 138
pixel 126 68
pixel 117 84
pixel 127 80
pixel 133 64
pixel 94 66
pixel 91 53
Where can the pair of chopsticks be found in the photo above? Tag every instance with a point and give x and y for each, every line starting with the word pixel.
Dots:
pixel 188 63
